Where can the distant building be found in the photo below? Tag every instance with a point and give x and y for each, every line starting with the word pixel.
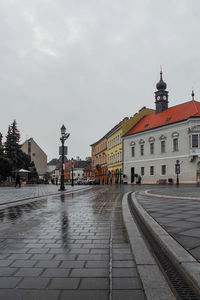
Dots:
pixel 37 155
pixel 52 165
pixel 80 169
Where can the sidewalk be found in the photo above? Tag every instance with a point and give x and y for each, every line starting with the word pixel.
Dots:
pixel 173 217
pixel 180 217
pixel 12 194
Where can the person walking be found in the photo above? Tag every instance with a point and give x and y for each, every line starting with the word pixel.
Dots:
pixel 18 181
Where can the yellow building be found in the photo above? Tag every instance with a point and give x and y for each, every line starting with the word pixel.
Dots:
pixel 114 154
pixel 115 145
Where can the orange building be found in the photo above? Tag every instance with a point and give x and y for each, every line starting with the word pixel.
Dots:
pixel 99 159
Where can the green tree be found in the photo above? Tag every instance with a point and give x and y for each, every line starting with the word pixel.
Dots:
pixel 5 168
pixel 12 147
pixel 1 145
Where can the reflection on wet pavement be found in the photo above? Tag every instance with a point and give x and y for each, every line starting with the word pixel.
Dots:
pixel 68 246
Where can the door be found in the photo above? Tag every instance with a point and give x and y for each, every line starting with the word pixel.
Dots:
pixel 132 175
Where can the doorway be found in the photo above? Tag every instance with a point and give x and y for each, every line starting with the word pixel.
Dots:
pixel 132 175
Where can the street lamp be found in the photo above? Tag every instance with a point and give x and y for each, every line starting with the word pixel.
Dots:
pixel 63 138
pixel 72 184
pixel 177 171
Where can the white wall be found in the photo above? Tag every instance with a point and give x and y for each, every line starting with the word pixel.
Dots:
pixel 188 168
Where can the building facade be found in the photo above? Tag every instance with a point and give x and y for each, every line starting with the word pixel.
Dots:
pixel 154 145
pixel 114 154
pixel 99 159
pixel 37 155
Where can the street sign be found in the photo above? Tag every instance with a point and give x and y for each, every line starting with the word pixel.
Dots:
pixel 65 150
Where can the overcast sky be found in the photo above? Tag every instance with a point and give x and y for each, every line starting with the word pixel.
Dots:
pixel 87 64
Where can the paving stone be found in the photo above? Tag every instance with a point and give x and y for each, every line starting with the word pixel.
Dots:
pixel 85 295
pixel 89 273
pixel 93 257
pixel 124 272
pixel 5 263
pixel 79 251
pixel 72 264
pixel 123 256
pixel 94 284
pixel 9 282
pixel 124 264
pixel 128 295
pixel 122 251
pixel 35 245
pixel 29 272
pixel 126 283
pixel 64 283
pixel 52 272
pixel 19 256
pixel 99 251
pixel 58 251
pixel 42 256
pixel 65 257
pixel 34 283
pixel 38 250
pixel 23 263
pixel 47 264
pixel 97 264
pixel 7 271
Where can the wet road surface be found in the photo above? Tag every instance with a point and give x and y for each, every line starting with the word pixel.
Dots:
pixel 68 247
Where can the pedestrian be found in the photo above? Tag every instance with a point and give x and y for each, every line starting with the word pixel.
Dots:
pixel 18 181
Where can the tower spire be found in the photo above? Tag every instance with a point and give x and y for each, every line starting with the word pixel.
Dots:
pixel 192 94
pixel 161 95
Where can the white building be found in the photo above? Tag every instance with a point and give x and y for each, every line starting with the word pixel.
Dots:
pixel 153 146
pixel 77 174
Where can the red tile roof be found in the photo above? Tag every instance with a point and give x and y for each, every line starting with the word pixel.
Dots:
pixel 170 115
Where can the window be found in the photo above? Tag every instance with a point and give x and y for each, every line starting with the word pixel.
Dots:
pixel 175 144
pixel 152 170
pixel 195 141
pixel 141 149
pixel 151 148
pixel 163 169
pixel 132 151
pixel 162 146
pixel 142 171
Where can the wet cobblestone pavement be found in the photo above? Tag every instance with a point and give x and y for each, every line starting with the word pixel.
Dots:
pixel 68 247
pixel 9 194
pixel 180 218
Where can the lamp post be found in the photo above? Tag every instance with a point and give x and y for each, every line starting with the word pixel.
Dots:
pixel 177 171
pixel 63 138
pixel 72 184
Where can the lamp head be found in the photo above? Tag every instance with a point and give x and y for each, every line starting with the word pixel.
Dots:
pixel 63 130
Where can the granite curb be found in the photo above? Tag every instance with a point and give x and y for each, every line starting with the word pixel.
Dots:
pixel 184 261
pixel 154 284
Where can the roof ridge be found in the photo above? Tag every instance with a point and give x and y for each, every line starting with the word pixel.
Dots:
pixel 195 105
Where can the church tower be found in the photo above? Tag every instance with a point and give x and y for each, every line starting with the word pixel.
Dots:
pixel 161 95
